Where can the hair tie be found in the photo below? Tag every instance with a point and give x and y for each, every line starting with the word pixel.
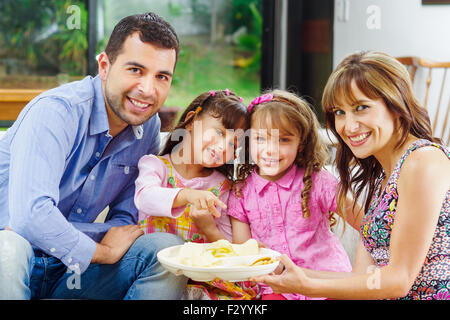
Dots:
pixel 260 99
pixel 212 92
pixel 197 111
pixel 227 92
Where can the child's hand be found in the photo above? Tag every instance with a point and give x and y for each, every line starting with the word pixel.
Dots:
pixel 204 220
pixel 203 200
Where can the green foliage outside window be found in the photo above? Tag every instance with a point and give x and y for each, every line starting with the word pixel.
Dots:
pixel 38 43
pixel 39 38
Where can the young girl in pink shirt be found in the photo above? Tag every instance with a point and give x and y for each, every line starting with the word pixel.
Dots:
pixel 184 190
pixel 288 199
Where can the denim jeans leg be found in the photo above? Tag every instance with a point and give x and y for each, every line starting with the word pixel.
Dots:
pixel 154 282
pixel 138 275
pixel 16 264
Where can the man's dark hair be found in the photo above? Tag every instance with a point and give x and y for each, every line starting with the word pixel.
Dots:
pixel 152 29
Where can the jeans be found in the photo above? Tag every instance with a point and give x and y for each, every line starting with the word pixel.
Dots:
pixel 25 274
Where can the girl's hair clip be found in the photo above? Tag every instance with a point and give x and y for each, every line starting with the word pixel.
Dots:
pixel 212 93
pixel 260 99
pixel 241 99
pixel 197 111
pixel 227 92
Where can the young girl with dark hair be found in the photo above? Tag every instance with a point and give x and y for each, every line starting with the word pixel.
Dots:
pixel 184 190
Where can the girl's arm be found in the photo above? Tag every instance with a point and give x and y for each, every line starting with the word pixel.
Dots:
pixel 422 186
pixel 353 215
pixel 326 185
pixel 152 195
pixel 154 198
pixel 241 231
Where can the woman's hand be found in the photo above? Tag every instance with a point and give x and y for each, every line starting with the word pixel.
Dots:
pixel 292 280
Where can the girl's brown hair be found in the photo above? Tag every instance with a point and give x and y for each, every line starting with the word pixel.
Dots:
pixel 224 105
pixel 290 113
pixel 376 75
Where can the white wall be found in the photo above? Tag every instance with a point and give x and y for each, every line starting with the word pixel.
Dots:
pixel 404 28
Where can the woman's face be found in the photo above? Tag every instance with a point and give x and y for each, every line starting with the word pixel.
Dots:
pixel 367 127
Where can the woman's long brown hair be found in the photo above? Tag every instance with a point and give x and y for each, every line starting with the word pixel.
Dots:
pixel 376 75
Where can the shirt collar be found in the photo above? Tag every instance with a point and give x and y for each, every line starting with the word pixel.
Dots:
pixel 285 181
pixel 99 118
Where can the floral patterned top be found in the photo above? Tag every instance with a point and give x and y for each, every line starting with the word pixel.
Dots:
pixel 433 281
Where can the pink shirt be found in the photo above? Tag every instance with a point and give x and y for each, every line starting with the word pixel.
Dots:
pixel 153 196
pixel 274 212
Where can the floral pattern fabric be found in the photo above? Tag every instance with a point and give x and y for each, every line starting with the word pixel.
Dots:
pixel 433 281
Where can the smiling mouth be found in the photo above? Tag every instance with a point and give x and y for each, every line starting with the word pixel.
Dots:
pixel 139 104
pixel 270 162
pixel 359 139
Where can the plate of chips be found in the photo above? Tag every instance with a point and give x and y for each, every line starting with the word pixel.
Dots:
pixel 220 259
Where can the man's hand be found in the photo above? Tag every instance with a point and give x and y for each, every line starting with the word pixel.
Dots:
pixel 115 244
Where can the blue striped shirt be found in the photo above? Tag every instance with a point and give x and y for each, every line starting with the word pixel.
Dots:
pixel 60 167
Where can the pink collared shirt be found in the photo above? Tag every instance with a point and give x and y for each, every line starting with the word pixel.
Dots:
pixel 273 211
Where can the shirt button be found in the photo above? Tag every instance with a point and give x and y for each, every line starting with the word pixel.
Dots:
pixel 70 260
pixel 97 154
pixel 126 170
pixel 52 250
pixel 79 210
pixel 92 177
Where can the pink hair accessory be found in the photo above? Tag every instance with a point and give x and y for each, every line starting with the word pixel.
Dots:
pixel 241 99
pixel 260 99
pixel 227 92
pixel 212 92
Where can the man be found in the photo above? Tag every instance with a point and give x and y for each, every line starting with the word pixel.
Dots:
pixel 72 152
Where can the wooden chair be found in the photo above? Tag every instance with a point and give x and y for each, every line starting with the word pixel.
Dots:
pixel 438 85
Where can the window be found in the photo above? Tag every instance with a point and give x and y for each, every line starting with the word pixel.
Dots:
pixel 42 43
pixel 47 43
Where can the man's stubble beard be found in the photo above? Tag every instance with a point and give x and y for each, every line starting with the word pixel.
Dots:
pixel 116 105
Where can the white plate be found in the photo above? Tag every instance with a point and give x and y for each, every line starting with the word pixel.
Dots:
pixel 231 273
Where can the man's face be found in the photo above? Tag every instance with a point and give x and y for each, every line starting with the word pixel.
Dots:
pixel 136 85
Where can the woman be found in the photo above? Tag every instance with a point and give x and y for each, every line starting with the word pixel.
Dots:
pixel 388 156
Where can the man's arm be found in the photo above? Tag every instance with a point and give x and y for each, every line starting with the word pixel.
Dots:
pixel 38 153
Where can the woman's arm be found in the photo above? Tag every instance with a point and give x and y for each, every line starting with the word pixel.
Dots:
pixel 422 188
pixel 363 264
